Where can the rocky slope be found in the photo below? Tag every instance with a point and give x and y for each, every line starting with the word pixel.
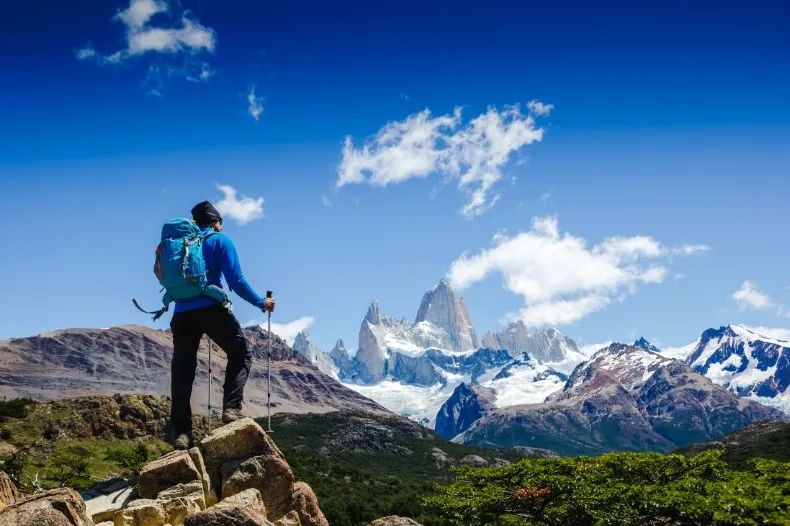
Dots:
pixel 468 404
pixel 135 359
pixel 625 398
pixel 768 439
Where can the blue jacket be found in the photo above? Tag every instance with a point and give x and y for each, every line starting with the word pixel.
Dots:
pixel 221 257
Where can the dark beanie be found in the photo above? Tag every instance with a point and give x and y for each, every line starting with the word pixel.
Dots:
pixel 205 214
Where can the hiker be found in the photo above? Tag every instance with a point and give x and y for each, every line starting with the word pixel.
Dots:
pixel 193 318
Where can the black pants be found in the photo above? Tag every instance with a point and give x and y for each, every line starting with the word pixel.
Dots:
pixel 224 329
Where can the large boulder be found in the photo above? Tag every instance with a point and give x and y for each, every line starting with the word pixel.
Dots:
pixel 269 474
pixel 242 509
pixel 305 503
pixel 169 470
pixel 241 439
pixel 8 492
pixel 57 507
pixel 141 512
pixel 171 506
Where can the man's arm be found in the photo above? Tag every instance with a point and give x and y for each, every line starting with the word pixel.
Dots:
pixel 231 269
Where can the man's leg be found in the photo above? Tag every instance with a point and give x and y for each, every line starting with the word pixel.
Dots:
pixel 225 330
pixel 186 339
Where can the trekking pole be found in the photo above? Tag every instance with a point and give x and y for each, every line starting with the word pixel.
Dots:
pixel 208 421
pixel 269 367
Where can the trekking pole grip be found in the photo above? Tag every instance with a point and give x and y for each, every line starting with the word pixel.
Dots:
pixel 268 294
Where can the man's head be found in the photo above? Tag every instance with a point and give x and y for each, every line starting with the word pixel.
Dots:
pixel 205 214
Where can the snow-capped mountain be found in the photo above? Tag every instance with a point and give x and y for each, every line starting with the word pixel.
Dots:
pixel 521 381
pixel 631 365
pixel 413 368
pixel 746 362
pixel 626 398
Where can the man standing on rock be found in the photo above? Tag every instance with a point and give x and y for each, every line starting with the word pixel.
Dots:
pixel 194 318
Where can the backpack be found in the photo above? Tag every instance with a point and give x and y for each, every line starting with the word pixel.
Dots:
pixel 179 265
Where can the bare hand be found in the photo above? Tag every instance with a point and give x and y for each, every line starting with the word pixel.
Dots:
pixel 269 305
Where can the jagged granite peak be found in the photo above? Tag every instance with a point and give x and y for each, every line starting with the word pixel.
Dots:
pixel 544 344
pixel 441 307
pixel 550 345
pixel 304 346
pixel 642 343
pixel 339 348
pixel 373 315
pixel 743 360
pixel 467 404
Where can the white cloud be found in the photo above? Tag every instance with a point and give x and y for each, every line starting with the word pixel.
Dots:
pixel 288 331
pixel 749 298
pixel 256 104
pixel 86 53
pixel 188 36
pixel 545 196
pixel 242 210
pixel 203 76
pixel 561 279
pixel 474 154
pixel 539 109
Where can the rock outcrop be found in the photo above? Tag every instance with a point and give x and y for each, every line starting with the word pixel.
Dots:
pixel 235 476
pixel 56 507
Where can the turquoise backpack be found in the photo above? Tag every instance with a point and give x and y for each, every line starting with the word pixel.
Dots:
pixel 179 265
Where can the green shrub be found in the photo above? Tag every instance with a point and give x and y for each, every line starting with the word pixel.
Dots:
pixel 14 408
pixel 625 489
pixel 130 458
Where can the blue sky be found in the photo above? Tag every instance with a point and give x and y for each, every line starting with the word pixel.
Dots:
pixel 643 191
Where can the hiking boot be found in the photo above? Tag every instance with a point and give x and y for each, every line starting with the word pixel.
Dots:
pixel 182 441
pixel 231 414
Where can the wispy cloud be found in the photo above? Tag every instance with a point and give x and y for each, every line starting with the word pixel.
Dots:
pixel 142 36
pixel 242 210
pixel 749 297
pixel 474 153
pixel 255 108
pixel 286 331
pixel 206 72
pixel 545 196
pixel 540 109
pixel 561 279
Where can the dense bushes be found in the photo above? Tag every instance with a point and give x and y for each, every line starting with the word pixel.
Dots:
pixel 626 489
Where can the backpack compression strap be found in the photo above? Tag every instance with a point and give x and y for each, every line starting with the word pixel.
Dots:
pixel 157 313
